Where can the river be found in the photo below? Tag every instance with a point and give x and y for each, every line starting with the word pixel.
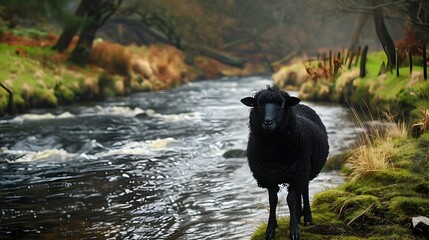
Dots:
pixel 147 166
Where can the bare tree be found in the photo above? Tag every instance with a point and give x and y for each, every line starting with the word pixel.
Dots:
pixel 97 13
pixel 71 28
pixel 384 36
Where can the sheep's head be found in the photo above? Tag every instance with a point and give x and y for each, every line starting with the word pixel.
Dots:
pixel 269 105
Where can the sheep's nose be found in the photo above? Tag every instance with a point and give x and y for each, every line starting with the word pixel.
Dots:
pixel 268 122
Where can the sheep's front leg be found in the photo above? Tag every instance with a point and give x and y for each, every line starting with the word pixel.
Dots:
pixel 308 219
pixel 295 211
pixel 272 221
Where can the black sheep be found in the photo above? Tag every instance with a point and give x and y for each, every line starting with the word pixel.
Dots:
pixel 288 144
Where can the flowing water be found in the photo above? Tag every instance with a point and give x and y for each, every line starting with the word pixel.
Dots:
pixel 148 166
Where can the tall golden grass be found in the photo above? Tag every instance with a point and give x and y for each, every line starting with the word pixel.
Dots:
pixel 112 57
pixel 375 146
pixel 168 64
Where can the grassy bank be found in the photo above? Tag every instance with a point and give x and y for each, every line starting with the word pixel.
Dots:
pixel 389 184
pixel 404 96
pixel 388 181
pixel 42 77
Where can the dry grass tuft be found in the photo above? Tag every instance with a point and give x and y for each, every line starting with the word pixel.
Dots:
pixel 210 68
pixel 167 64
pixel 368 159
pixel 112 57
pixel 375 145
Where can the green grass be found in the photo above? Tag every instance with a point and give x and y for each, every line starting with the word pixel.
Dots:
pixel 36 79
pixel 19 71
pixel 29 32
pixel 398 95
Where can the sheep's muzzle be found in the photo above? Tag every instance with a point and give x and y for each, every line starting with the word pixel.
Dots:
pixel 271 117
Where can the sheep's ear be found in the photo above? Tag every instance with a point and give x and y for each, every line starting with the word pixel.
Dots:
pixel 292 101
pixel 249 101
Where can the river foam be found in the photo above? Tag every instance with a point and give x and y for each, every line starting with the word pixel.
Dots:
pixel 142 148
pixel 109 111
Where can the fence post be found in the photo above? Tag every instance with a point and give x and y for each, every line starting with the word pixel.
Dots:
pixel 410 58
pixel 397 62
pixel 324 59
pixel 10 107
pixel 358 55
pixel 425 70
pixel 363 62
pixel 337 63
pixel 351 59
pixel 347 57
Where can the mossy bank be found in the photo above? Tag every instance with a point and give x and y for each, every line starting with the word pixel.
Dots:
pixel 378 205
pixel 41 77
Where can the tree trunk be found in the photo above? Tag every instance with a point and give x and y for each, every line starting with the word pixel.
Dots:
pixel 70 29
pixel 98 12
pixel 384 36
pixel 362 73
pixel 83 47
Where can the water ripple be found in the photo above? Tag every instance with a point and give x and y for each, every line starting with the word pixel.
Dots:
pixel 148 166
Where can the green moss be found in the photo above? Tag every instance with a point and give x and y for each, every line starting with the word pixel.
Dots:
pixel 106 81
pixel 390 176
pixel 65 95
pixel 43 98
pixel 409 206
pixel 422 187
pixel 330 196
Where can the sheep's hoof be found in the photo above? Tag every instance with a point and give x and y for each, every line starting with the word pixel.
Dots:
pixel 308 223
pixel 270 233
pixel 294 236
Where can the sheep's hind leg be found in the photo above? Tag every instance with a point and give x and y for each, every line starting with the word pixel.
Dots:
pixel 272 221
pixel 299 210
pixel 292 201
pixel 308 219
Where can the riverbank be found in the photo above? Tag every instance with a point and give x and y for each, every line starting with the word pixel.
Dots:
pixel 381 90
pixel 388 183
pixel 375 203
pixel 41 77
pixel 129 165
